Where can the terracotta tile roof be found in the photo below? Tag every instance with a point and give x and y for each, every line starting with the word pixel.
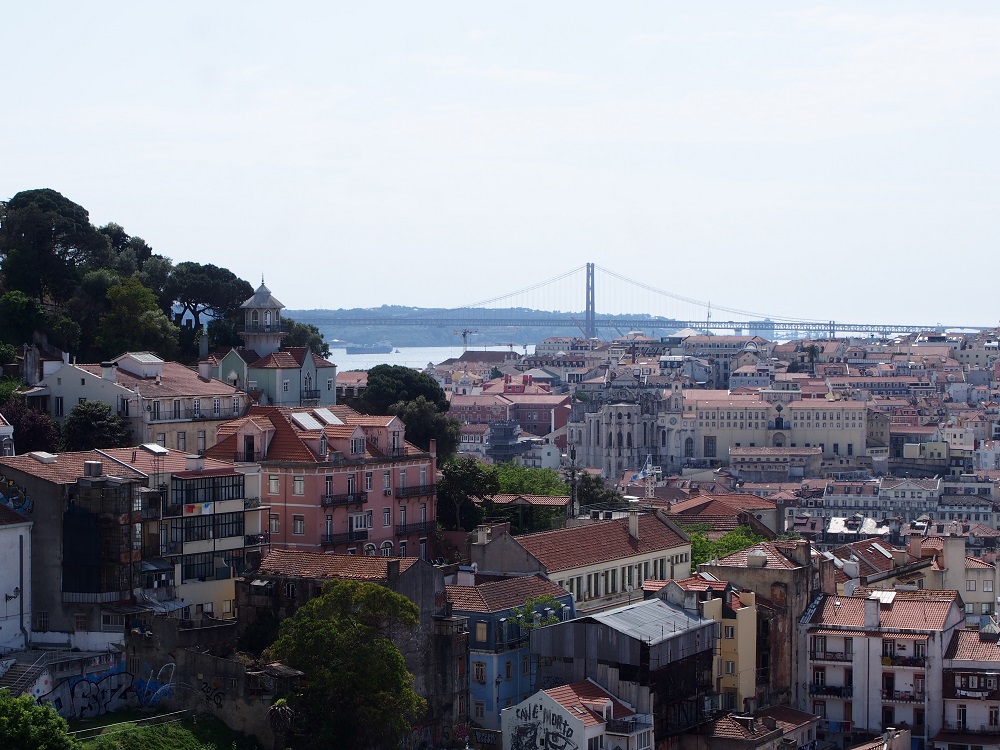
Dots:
pixel 872 559
pixel 774 557
pixel 787 718
pixel 176 381
pixel 901 613
pixel 575 697
pixel 352 377
pixel 700 583
pixel 498 596
pixel 728 727
pixel 738 500
pixel 66 469
pixel 9 517
pixel 577 546
pixel 553 501
pixel 975 562
pixel 319 565
pixel 973 645
pixel 171 462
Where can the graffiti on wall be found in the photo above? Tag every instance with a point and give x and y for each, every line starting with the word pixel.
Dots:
pixel 14 496
pixel 104 692
pixel 537 727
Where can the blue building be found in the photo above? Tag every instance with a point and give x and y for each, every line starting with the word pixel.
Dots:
pixel 501 672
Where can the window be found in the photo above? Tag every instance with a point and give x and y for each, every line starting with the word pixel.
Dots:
pixel 196 410
pixel 298 525
pixel 994 716
pixel 43 620
pixel 480 709
pixel 387 516
pixel 59 408
pixel 182 441
pixel 329 384
pixel 730 667
pixel 479 671
pixel 386 549
pixel 710 446
pixel 987 585
pixel 357 445
pixel 112 623
pixel 273 484
pixel 273 524
pixel 402 549
pixel 526 665
pixel 161 439
pixel 481 632
pixel 284 386
pixel 201 441
pixel 368 481
pixel 970 585
pixel 509 670
pixel 298 485
pixel 289 590
pixel 730 631
pixel 80 621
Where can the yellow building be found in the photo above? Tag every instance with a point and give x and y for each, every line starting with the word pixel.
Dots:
pixel 735 663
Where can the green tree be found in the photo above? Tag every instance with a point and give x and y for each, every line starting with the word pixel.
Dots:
pixel 464 480
pixel 135 322
pixel 424 422
pixel 33 430
pixel 45 239
pixel 205 288
pixel 28 725
pixel 390 384
pixel 357 691
pixel 92 425
pixel 591 489
pixel 280 715
pixel 20 317
pixel 305 334
pixel 536 605
pixel 704 549
pixel 8 354
pixel 524 480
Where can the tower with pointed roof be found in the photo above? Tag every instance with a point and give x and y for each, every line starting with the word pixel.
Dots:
pixel 262 329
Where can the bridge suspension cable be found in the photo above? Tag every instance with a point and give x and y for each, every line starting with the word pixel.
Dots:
pixel 526 289
pixel 700 303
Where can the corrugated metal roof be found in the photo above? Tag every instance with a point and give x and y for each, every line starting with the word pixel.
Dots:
pixel 652 621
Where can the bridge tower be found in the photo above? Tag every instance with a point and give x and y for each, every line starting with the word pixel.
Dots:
pixel 590 330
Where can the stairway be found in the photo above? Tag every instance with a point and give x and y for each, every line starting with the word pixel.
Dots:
pixel 20 677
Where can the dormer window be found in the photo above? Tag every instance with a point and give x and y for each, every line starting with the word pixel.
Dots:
pixel 322 445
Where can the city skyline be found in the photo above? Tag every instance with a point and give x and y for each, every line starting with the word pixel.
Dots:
pixel 797 160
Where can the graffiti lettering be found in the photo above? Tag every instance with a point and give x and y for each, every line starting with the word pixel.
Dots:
pixel 214 691
pixel 538 727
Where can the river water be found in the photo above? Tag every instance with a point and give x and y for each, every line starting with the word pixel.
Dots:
pixel 417 357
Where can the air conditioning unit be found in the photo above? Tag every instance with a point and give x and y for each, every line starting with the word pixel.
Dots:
pixel 388 493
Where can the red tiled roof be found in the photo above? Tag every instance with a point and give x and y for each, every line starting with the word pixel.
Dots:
pixel 9 517
pixel 175 381
pixel 698 583
pixel 787 718
pixel 973 645
pixel 555 501
pixel 574 698
pixel 497 596
pixel 728 727
pixel 577 546
pixel 66 469
pixel 912 614
pixel 319 565
pixel 775 559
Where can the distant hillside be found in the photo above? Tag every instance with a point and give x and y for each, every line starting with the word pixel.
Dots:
pixel 444 334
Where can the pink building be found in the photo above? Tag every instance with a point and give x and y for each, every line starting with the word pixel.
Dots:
pixel 337 480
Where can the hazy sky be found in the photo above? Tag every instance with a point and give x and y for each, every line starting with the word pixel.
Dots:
pixel 829 162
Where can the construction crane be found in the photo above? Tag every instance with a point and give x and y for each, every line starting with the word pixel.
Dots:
pixel 465 337
pixel 649 475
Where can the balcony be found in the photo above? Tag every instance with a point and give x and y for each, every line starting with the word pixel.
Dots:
pixel 423 527
pixel 915 662
pixel 247 457
pixel 173 509
pixel 838 656
pixel 252 503
pixel 351 498
pixel 186 415
pixel 256 540
pixel 264 328
pixel 151 513
pixel 309 394
pixel 902 696
pixel 638 723
pixel 833 691
pixel 966 728
pixel 416 490
pixel 351 536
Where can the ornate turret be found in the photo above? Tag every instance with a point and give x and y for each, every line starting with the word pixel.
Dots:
pixel 262 329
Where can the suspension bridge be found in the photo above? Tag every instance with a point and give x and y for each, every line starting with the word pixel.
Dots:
pixel 664 312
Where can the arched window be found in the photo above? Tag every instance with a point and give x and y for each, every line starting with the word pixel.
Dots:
pixel 663 438
pixel 370 550
pixel 689 448
pixel 254 318
pixel 611 441
pixel 386 549
pixel 619 438
pixel 628 439
pixel 267 317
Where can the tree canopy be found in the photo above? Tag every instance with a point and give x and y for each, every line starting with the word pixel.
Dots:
pixel 390 384
pixel 205 288
pixel 357 691
pixel 306 334
pixel 425 423
pixel 516 479
pixel 591 489
pixel 28 725
pixel 135 322
pixel 704 549
pixel 463 481
pixel 33 430
pixel 91 425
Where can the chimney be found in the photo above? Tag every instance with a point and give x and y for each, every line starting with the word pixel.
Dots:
pixel 392 573
pixel 205 369
pixel 108 371
pixel 433 447
pixel 871 613
pixel 633 524
pixel 194 462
